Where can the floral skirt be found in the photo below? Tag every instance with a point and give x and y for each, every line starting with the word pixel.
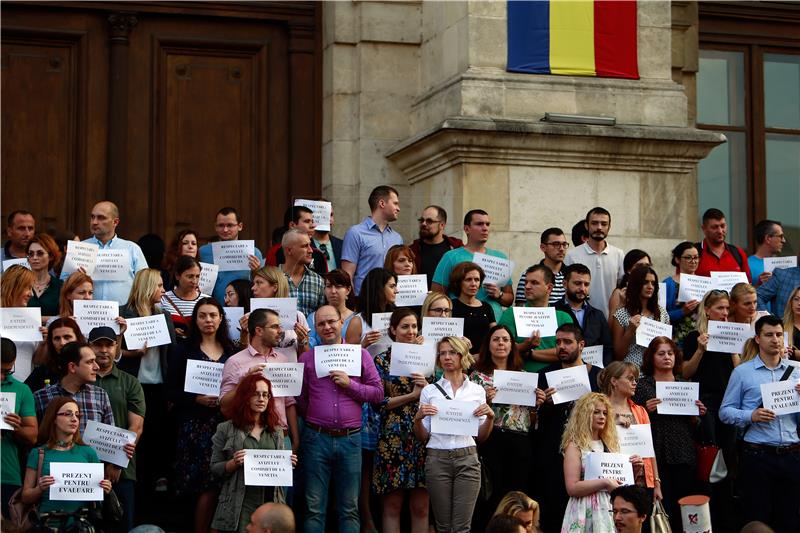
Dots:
pixel 193 457
pixel 590 514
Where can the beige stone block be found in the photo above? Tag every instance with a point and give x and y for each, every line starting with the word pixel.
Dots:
pixel 345 117
pixel 384 115
pixel 343 162
pixel 482 99
pixel 605 102
pixel 487 187
pixel 654 13
pixel 436 108
pixel 432 19
pixel 654 51
pixel 666 202
pixel 327 119
pixel 392 68
pixel 487 42
pixel 326 165
pixel 453 12
pixel 455 51
pixel 341 22
pixel 391 22
pixel 346 208
pixel 431 57
pixel 659 250
pixel 373 167
pixel 487 8
pixel 665 110
pixel 532 101
pixel 618 192
pixel 342 60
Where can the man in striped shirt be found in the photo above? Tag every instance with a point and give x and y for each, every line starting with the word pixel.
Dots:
pixel 553 245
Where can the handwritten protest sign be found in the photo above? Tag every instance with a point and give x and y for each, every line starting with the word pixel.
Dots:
pixel 77 481
pixel 411 290
pixel 150 329
pixel 454 418
pixel 649 329
pixel 203 377
pixel 780 397
pixel 530 319
pixel 677 398
pixel 570 383
pixel 498 270
pixel 408 358
pixel 112 265
pixel 286 378
pixel 268 468
pixel 321 211
pixel 90 314
pixel 109 442
pixel 81 255
pixel 600 465
pixel 344 357
pixel 515 388
pixel 232 255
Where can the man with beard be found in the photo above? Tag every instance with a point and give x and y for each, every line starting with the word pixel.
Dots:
pixel 716 255
pixel 432 243
pixel 604 261
pixel 550 491
pixel 593 324
pixel 553 245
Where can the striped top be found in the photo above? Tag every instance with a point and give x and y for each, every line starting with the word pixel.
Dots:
pixel 184 307
pixel 556 294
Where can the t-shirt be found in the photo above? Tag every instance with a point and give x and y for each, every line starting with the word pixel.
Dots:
pixel 77 454
pixel 460 255
pixel 430 255
pixel 23 406
pixel 545 343
pixel 477 321
pixel 177 306
pixel 756 265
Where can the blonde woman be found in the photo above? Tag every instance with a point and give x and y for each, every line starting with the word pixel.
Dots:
pixel 791 323
pixel 520 505
pixel 16 290
pixel 270 282
pixel 589 429
pixel 744 301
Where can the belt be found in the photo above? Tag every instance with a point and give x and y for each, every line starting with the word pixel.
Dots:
pixel 454 453
pixel 776 450
pixel 332 432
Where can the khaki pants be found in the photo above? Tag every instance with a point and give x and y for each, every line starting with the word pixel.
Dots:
pixel 453 479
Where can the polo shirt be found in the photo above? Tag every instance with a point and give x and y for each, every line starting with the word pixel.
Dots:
pixel 724 263
pixel 11 473
pixel 206 255
pixel 606 268
pixel 126 395
pixel 545 343
pixel 365 245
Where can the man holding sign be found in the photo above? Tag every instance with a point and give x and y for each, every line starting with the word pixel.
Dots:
pixel 770 463
pixel 300 218
pixel 331 441
pixel 304 284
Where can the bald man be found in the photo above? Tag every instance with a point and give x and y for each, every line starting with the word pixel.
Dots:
pixel 271 518
pixel 103 223
pixel 304 283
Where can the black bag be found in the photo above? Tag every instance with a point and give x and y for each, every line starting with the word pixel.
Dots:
pixel 112 509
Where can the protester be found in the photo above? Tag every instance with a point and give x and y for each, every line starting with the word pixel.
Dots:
pixel 400 260
pixel 554 245
pixel 339 294
pixel 520 505
pixel 607 260
pixel 16 290
pixel 21 419
pixel 476 226
pixel 770 460
pixel 716 255
pixel 254 425
pixel 791 323
pixel 399 467
pixel 60 332
pixel 270 282
pixel 378 295
pixel 685 259
pixel 465 282
pixel 433 243
pixel 272 517
pixel 641 301
pixel 673 435
pixel 237 294
pixel 743 304
pixel 20 229
pixel 630 507
pixel 43 255
pixel 770 239
pixel 197 415
pixel 78 286
pixel 228 226
pixel 589 429
pixel 330 246
pixel 439 305
pixel 775 291
pixel 60 442
pixel 579 233
pixel 505 524
pixel 452 467
pixel 633 259
pixel 331 440
pixel 365 244
pixel 181 300
pixel 509 436
pixel 304 284
pixel 185 243
pixel 298 218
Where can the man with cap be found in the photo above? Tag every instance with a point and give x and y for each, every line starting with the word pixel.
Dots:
pixel 127 402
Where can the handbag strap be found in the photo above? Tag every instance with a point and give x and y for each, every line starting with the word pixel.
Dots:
pixel 172 303
pixel 39 467
pixel 442 391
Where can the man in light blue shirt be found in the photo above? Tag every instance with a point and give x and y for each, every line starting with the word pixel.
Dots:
pixel 104 222
pixel 770 464
pixel 227 225
pixel 769 243
pixel 365 244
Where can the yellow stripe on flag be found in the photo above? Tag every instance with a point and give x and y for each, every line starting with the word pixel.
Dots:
pixel 572 37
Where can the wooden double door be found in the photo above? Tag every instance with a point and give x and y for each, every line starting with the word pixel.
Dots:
pixel 170 109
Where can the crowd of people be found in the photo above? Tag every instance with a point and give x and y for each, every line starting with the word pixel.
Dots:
pixel 364 445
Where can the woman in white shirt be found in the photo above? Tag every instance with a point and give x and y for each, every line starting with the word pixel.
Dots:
pixel 452 457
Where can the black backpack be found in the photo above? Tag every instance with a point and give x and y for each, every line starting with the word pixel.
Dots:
pixel 733 250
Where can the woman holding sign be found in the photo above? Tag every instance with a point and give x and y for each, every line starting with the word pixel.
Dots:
pixel 16 290
pixel 400 260
pixel 270 282
pixel 60 442
pixel 198 415
pixel 399 457
pixel 338 293
pixel 43 255
pixel 791 323
pixel 633 259
pixel 254 425
pixel 685 259
pixel 185 243
pixel 78 286
pixel 452 467
pixel 465 282
pixel 180 301
pixel 60 332
pixel 641 300
pixel 509 437
pixel 588 430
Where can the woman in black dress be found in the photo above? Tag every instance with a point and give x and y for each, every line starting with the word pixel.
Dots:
pixel 465 281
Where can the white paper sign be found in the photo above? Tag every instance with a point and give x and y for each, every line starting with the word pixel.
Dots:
pixel 17 261
pixel 728 337
pixel 203 377
pixel 593 355
pixel 345 357
pixel 286 378
pixel 780 397
pixel 233 255
pixel 515 388
pixel 662 295
pixel 649 329
pixel 497 269
pixel 21 323
pixel 726 280
pixel 77 481
pixel 112 265
pixel 8 401
pixel 208 277
pixel 109 441
pixel 411 290
pixel 232 316
pixel 600 465
pixel 693 287
pixel 268 468
pixel 530 319
pixel 90 314
pixel 636 439
pixel 570 383
pixel 455 418
pixel 81 254
pixel 150 329
pixel 380 322
pixel 321 211
pixel 770 263
pixel 435 329
pixel 285 307
pixel 677 397
pixel 407 358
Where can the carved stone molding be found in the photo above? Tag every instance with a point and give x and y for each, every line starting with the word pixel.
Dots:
pixel 120 25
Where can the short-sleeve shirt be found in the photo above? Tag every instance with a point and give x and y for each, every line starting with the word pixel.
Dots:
pixel 636 352
pixel 365 245
pixel 545 343
pixel 23 406
pixel 606 268
pixel 77 454
pixel 310 293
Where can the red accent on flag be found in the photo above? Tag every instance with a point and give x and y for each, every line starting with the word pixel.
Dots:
pixel 615 26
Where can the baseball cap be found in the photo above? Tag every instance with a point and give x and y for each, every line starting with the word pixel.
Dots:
pixel 103 332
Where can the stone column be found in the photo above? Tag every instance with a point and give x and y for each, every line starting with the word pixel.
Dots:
pixel 120 26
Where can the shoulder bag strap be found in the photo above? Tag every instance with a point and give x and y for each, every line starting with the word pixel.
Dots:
pixel 41 463
pixel 178 309
pixel 442 391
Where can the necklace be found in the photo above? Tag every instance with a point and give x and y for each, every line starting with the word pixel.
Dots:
pixel 63 444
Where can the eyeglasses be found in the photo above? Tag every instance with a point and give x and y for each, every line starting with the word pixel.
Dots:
pixel 265 395
pixel 226 226
pixel 691 258
pixel 427 221
pixel 70 414
pixel 780 236
pixel 558 244
pixel 440 310
pixel 714 292
pixel 37 253
pixel 623 512
pixel 448 352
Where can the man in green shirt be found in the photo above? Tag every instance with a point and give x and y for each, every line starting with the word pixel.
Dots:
pixel 536 352
pixel 127 403
pixel 22 421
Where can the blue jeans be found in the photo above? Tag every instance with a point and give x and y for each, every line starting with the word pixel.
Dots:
pixel 327 458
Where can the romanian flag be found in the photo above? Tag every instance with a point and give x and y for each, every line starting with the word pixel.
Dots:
pixel 573 37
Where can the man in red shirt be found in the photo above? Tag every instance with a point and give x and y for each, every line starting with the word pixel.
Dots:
pixel 715 254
